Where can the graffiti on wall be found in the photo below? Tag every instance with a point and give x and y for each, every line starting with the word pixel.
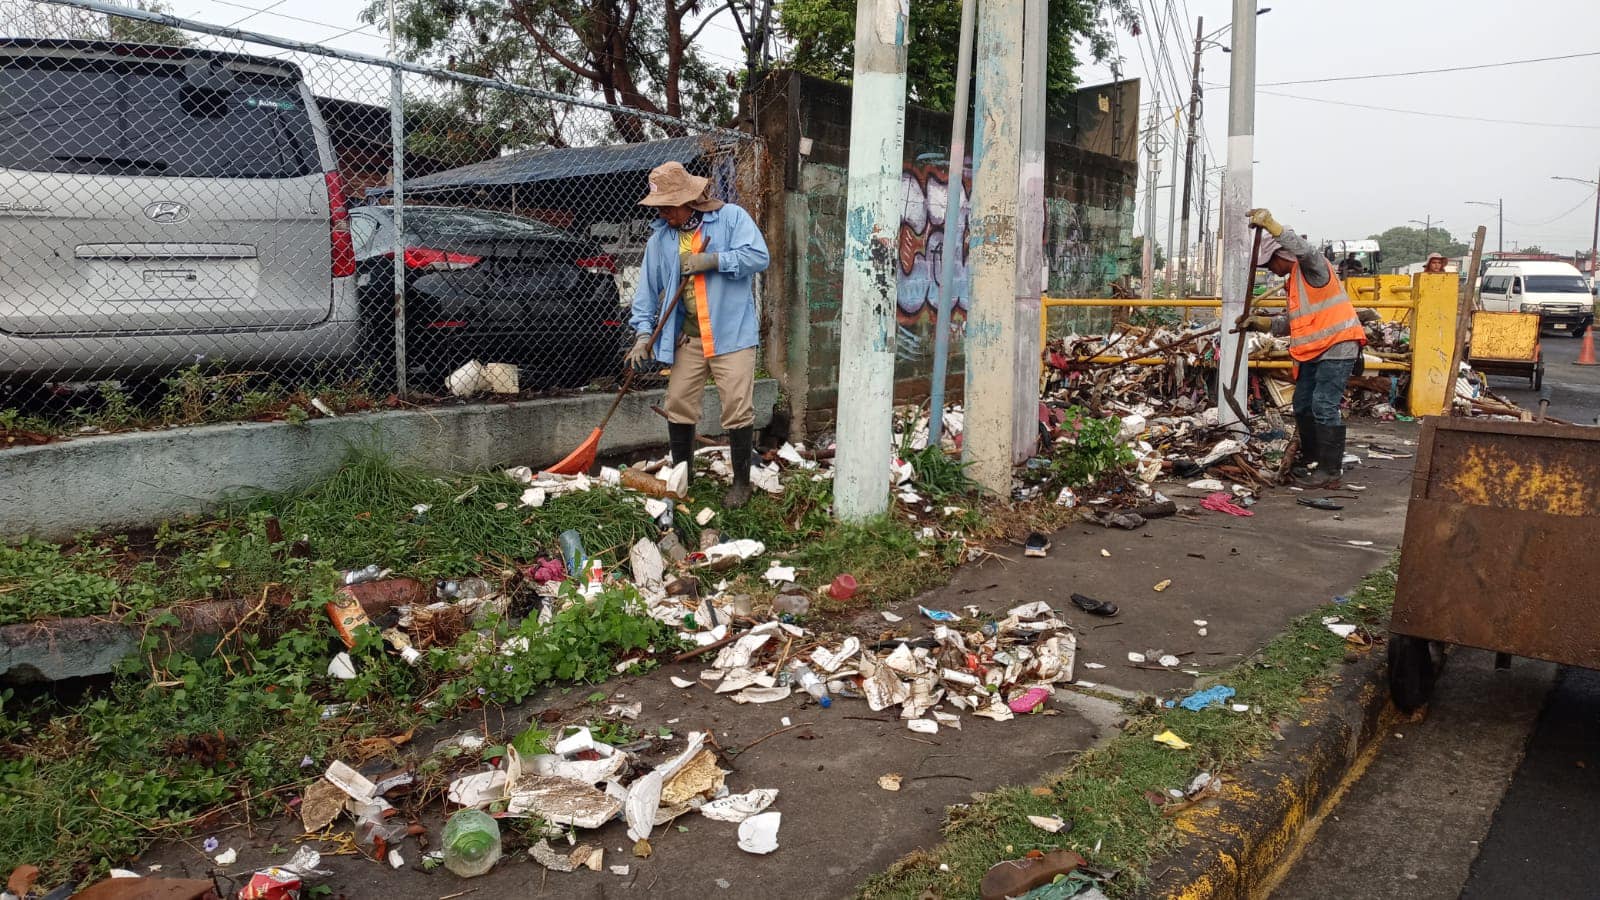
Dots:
pixel 924 185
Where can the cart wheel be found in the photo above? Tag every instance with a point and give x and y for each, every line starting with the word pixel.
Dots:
pixel 1538 375
pixel 1411 672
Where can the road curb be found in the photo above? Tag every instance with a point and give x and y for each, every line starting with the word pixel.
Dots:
pixel 1238 847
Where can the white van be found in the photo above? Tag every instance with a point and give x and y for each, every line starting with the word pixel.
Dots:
pixel 1557 291
pixel 160 205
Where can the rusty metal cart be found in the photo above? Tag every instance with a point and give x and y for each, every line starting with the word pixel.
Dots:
pixel 1499 548
pixel 1507 343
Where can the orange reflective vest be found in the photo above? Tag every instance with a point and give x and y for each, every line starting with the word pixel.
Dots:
pixel 1320 317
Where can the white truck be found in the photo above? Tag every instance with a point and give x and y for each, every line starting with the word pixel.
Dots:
pixel 1557 291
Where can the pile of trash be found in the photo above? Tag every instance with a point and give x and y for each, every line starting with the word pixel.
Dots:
pixel 990 668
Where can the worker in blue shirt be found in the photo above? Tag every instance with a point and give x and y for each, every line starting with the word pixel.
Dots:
pixel 713 331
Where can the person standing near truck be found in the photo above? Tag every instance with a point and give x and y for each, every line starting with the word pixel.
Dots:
pixel 713 330
pixel 1325 340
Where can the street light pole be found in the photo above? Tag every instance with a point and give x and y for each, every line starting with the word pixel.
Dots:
pixel 1500 225
pixel 1427 232
pixel 1594 240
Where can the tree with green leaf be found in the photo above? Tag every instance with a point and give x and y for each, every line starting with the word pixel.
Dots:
pixel 1158 257
pixel 47 20
pixel 1403 245
pixel 638 54
pixel 824 33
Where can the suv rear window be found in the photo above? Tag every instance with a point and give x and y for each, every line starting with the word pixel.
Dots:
pixel 195 118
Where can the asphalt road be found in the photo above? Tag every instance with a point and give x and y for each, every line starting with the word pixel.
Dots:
pixel 1494 793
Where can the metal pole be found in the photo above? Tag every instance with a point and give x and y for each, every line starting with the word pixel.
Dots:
pixel 1238 269
pixel 874 200
pixel 954 222
pixel 397 140
pixel 1152 151
pixel 1500 239
pixel 1031 270
pixel 1172 194
pixel 992 244
pixel 1594 241
pixel 1188 159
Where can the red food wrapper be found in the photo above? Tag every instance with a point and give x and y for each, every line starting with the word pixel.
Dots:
pixel 272 884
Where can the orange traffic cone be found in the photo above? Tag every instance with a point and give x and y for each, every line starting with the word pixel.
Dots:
pixel 1586 355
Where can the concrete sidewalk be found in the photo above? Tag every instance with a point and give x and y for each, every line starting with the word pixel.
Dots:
pixel 1247 577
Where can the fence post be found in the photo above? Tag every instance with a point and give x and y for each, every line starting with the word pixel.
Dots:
pixel 397 137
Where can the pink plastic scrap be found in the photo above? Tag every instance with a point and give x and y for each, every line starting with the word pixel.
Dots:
pixel 1222 501
pixel 1030 700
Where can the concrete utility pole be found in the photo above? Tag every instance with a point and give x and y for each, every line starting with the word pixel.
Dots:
pixel 991 343
pixel 866 321
pixel 1238 269
pixel 1188 158
pixel 1172 194
pixel 1152 150
pixel 954 232
pixel 1031 272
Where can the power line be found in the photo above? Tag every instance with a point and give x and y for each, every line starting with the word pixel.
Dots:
pixel 279 15
pixel 1575 207
pixel 1429 113
pixel 248 16
pixel 1495 65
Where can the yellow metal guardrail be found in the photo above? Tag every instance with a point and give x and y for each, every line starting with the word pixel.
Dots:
pixel 1427 302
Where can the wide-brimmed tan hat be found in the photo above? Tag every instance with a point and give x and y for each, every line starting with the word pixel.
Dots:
pixel 672 185
pixel 1270 248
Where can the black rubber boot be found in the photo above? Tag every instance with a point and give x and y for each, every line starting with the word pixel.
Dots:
pixel 739 448
pixel 681 438
pixel 1330 459
pixel 1305 428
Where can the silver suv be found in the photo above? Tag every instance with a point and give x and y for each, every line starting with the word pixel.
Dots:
pixel 161 206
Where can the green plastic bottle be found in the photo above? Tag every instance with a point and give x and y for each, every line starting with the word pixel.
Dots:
pixel 471 843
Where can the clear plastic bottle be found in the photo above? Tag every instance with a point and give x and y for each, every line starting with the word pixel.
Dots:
pixel 471 843
pixel 808 681
pixel 572 554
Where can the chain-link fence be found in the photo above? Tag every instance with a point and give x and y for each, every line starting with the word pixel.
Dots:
pixel 200 224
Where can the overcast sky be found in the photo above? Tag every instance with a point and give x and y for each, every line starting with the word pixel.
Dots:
pixel 1328 170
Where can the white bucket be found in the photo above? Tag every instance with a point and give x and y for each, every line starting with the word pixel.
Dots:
pixel 467 380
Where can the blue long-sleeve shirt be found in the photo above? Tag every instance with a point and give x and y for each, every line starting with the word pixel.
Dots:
pixel 741 251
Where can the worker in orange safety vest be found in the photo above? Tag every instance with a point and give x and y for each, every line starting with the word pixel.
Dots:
pixel 1325 340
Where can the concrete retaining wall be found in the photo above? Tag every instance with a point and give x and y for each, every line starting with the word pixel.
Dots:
pixel 141 478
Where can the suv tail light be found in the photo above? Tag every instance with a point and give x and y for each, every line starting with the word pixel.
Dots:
pixel 429 259
pixel 604 264
pixel 344 251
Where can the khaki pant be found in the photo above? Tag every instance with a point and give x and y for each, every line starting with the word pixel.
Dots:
pixel 735 377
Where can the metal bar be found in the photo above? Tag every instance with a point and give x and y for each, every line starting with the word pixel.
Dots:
pixel 1382 366
pixel 954 231
pixel 254 37
pixel 397 137
pixel 1198 303
pixel 874 201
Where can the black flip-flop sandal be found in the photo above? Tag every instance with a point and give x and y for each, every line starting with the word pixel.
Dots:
pixel 1094 607
pixel 1320 503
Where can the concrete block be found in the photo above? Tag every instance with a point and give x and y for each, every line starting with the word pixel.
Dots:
pixel 141 478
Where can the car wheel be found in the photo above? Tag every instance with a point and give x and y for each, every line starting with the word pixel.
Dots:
pixel 1411 672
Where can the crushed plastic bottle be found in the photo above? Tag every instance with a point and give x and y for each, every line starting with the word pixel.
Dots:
pixel 471 843
pixel 363 575
pixel 811 684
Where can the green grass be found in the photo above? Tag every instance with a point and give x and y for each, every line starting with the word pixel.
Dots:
pixel 1104 791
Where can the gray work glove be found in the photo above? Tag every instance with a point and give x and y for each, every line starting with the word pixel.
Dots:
pixel 639 356
pixel 1255 323
pixel 694 263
